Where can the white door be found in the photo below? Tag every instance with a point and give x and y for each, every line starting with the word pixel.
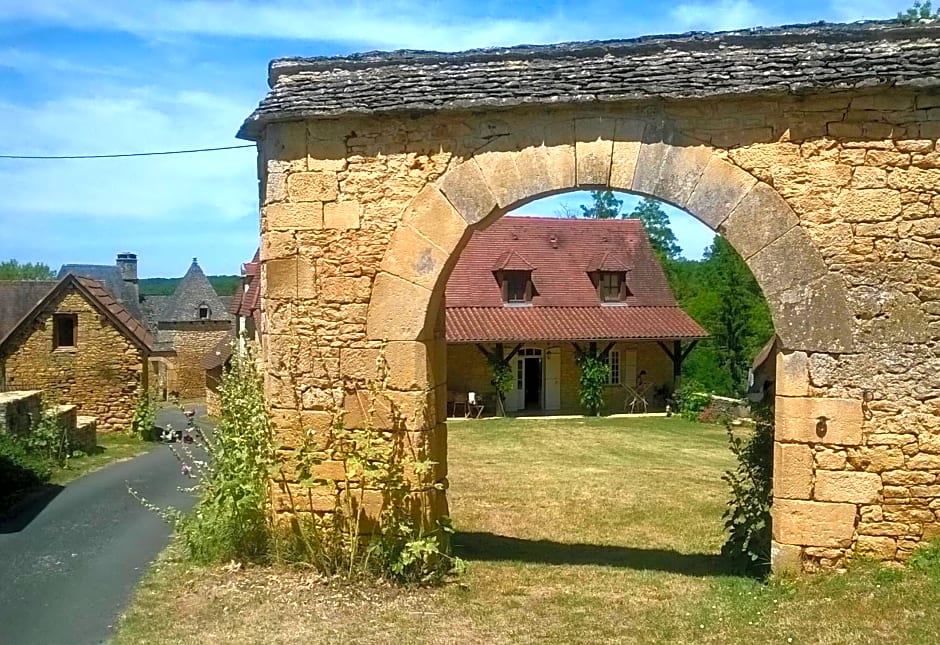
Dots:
pixel 628 367
pixel 553 379
pixel 515 398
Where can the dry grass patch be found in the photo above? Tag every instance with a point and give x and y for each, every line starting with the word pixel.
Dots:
pixel 576 531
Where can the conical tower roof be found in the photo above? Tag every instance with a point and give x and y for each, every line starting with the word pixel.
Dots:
pixel 192 293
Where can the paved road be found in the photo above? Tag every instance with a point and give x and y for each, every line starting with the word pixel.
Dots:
pixel 67 575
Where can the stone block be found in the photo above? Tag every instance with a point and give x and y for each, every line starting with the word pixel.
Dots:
pixel 416 365
pixel 593 149
pixel 884 529
pixel 720 189
pixel 546 169
pixel 793 471
pixel 501 175
pixel 435 218
pixel 880 548
pixel 388 319
pixel 292 216
pixel 805 523
pixel 818 421
pixel 761 218
pixel 342 215
pixel 785 262
pixel 280 278
pixel 812 317
pixel 907 478
pixel 876 459
pixel 847 486
pixel 345 289
pixel 277 245
pixel 301 428
pixel 669 165
pixel 868 205
pixel 792 374
pixel 362 365
pixel 628 138
pixel 466 188
pixel 786 558
pixel 312 186
pixel 924 461
pixel 829 459
pixel 413 257
pixel 297 498
pixel 275 187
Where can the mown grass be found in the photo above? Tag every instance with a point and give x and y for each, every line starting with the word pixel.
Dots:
pixel 576 531
pixel 112 447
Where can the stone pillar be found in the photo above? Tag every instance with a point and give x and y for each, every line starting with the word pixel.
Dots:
pixel 816 494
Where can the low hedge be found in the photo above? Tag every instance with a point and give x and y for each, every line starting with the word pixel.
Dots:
pixel 19 469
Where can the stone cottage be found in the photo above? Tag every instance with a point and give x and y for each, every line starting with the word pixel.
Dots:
pixel 541 289
pixel 72 339
pixel 186 325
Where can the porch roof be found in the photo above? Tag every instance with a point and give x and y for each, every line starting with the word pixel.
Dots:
pixel 531 324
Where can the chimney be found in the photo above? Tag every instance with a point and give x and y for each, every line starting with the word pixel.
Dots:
pixel 127 265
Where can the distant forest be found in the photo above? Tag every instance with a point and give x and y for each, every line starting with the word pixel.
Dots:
pixel 224 285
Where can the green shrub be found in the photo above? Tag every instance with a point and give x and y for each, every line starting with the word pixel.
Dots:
pixel 593 380
pixel 919 11
pixel 747 518
pixel 231 518
pixel 691 400
pixel 47 438
pixel 926 558
pixel 143 423
pixel 19 468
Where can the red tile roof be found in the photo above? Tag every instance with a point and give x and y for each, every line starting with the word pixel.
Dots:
pixel 247 301
pixel 499 324
pixel 100 298
pixel 562 253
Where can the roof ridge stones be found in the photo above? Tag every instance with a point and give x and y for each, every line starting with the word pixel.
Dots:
pixel 784 60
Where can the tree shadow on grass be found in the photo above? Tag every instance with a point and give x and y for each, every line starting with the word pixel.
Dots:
pixel 489 547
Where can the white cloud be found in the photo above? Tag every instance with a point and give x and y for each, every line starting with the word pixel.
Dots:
pixel 384 25
pixel 214 186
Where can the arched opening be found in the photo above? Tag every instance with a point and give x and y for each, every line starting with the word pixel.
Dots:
pixel 571 271
pixel 807 303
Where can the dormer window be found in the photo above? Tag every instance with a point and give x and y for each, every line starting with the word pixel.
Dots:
pixel 516 286
pixel 204 312
pixel 612 286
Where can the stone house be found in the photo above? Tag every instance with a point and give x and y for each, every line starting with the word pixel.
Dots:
pixel 186 325
pixel 543 289
pixel 74 341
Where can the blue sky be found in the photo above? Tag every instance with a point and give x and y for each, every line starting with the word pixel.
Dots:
pixel 109 76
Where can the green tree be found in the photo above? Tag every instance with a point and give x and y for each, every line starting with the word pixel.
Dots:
pixel 605 206
pixel 656 223
pixel 920 11
pixel 13 270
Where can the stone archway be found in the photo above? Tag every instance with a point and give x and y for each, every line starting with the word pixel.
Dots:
pixel 370 189
pixel 808 304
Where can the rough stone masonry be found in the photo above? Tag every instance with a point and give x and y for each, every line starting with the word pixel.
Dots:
pixel 812 149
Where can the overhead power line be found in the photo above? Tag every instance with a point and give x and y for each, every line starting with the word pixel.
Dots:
pixel 128 154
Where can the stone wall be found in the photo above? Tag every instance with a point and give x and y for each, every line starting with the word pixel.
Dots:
pixel 100 374
pixel 19 411
pixel 192 342
pixel 831 199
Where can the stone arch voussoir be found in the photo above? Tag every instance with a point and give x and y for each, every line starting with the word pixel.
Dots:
pixel 644 156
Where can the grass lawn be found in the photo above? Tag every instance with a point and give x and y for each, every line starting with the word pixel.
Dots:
pixel 112 447
pixel 576 531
